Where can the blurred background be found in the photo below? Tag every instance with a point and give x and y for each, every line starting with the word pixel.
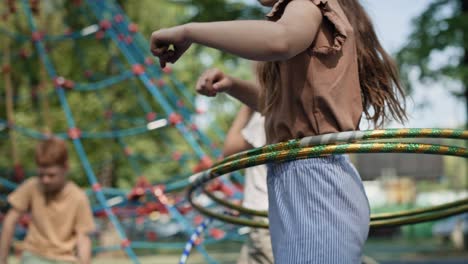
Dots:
pixel 131 134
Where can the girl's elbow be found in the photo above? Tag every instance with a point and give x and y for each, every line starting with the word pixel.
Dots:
pixel 279 50
pixel 277 44
pixel 287 43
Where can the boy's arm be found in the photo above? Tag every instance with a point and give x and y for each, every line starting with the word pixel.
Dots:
pixel 20 201
pixel 234 141
pixel 84 227
pixel 248 92
pixel 8 230
pixel 214 81
pixel 83 248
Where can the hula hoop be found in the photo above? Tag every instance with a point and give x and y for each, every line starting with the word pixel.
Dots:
pixel 332 144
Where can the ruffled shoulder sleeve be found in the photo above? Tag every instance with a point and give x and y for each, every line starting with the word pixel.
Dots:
pixel 339 25
pixel 277 10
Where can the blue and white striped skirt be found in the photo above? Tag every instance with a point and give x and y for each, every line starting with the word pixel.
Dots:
pixel 318 211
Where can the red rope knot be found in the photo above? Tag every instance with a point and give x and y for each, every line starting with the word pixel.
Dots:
pixel 88 74
pixel 151 116
pixel 180 103
pixel 128 151
pixel 207 162
pixel 118 18
pixel 229 192
pixel 197 220
pixel 105 24
pixel 77 2
pixel 149 61
pixel 74 133
pixel 108 114
pixel 24 53
pixel 176 156
pixel 96 187
pixel 133 28
pixel 68 31
pixel 217 233
pixel 138 69
pixel 36 36
pixel 59 81
pixel 158 191
pixel 152 236
pixel 175 118
pixel 65 83
pixel 11 6
pixel 198 241
pixel 19 173
pixel 100 34
pixel 24 221
pixel 69 84
pixel 139 191
pixel 34 7
pixel 204 164
pixel 160 83
pixel 167 69
pixel 125 243
pixel 128 39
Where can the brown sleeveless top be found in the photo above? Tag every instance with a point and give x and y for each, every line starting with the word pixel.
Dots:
pixel 321 86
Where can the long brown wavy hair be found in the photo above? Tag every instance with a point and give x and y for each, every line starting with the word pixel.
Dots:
pixel 382 92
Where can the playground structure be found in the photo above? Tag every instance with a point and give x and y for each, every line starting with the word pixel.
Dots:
pixel 145 203
pixel 109 25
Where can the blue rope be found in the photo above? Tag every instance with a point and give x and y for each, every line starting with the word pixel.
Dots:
pixel 85 134
pixel 18 37
pixel 8 184
pixel 103 83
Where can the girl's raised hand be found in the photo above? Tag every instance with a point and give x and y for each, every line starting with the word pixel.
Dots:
pixel 169 44
pixel 213 81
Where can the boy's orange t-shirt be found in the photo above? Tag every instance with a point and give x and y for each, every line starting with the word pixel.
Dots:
pixel 52 232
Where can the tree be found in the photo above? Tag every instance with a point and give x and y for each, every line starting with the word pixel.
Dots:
pixel 441 29
pixel 74 59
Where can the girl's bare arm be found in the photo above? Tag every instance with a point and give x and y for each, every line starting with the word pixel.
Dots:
pixel 250 39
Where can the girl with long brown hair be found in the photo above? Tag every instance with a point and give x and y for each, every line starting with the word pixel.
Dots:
pixel 321 67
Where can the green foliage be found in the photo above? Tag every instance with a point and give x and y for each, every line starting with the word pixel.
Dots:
pixel 437 51
pixel 440 31
pixel 219 10
pixel 72 59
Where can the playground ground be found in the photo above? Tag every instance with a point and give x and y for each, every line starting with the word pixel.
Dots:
pixel 230 258
pixel 429 251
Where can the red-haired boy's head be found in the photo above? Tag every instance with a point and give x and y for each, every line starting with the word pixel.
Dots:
pixel 52 161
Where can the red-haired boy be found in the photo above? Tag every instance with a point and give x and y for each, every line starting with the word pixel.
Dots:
pixel 61 217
